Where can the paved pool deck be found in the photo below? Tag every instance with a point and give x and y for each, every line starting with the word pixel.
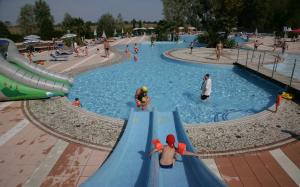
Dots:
pixel 51 143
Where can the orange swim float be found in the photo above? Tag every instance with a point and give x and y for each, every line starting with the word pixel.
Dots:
pixel 181 148
pixel 157 144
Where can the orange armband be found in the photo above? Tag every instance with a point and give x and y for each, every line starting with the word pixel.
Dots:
pixel 181 148
pixel 157 144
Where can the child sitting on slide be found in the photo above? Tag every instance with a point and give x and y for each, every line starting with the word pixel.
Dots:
pixel 168 152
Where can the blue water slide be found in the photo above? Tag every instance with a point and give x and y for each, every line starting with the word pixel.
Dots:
pixel 128 165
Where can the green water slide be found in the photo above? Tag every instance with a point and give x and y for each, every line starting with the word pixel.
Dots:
pixel 21 80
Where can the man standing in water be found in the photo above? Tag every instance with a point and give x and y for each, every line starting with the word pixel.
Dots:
pixel 206 87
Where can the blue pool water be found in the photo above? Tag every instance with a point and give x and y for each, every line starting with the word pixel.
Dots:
pixel 286 67
pixel 235 92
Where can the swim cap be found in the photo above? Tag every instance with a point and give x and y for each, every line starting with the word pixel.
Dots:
pixel 170 140
pixel 145 89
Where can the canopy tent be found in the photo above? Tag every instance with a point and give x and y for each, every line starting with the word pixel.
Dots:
pixel 143 28
pixel 31 41
pixel 191 28
pixel 68 36
pixel 103 34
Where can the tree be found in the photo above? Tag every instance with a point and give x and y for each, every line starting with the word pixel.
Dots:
pixel 67 22
pixel 106 23
pixel 119 22
pixel 133 22
pixel 26 19
pixel 41 12
pixel 4 32
pixel 140 24
pixel 43 16
pixel 46 29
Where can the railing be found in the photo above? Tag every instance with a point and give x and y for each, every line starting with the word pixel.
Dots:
pixel 255 60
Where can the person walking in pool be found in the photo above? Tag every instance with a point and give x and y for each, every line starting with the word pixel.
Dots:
pixel 168 152
pixel 206 87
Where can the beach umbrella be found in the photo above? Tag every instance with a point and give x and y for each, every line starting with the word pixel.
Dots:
pixel 136 29
pixel 68 36
pixel 31 37
pixel 103 34
pixel 31 41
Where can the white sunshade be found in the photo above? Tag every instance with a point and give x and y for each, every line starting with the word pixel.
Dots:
pixel 103 34
pixel 31 37
pixel 68 36
pixel 180 28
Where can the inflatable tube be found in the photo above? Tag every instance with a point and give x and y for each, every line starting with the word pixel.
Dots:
pixel 286 95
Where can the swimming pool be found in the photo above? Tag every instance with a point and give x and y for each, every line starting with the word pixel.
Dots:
pixel 286 67
pixel 235 92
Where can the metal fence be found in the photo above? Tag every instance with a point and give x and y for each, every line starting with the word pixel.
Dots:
pixel 267 62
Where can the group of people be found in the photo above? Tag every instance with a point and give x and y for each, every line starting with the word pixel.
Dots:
pixel 136 51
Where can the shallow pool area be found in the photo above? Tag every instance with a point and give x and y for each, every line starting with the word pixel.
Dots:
pixel 235 92
pixel 286 67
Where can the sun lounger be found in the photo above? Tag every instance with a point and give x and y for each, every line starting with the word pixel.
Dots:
pixel 61 52
pixel 55 57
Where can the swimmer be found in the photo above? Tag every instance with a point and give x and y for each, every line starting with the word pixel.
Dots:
pixel 136 49
pixel 167 157
pixel 76 102
pixel 126 49
pixel 135 58
pixel 141 98
pixel 219 50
